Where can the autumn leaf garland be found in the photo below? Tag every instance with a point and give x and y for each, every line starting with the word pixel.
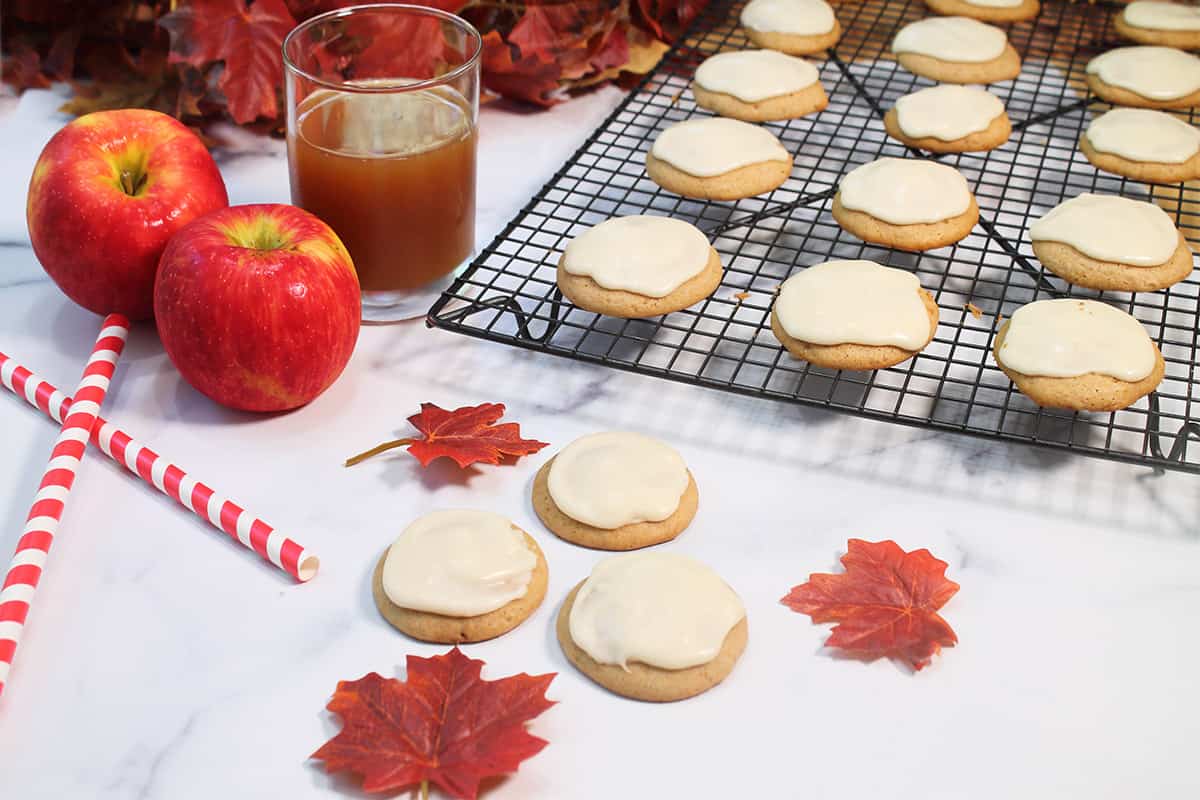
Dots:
pixel 222 57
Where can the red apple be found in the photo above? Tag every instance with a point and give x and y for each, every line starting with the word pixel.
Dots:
pixel 107 193
pixel 258 306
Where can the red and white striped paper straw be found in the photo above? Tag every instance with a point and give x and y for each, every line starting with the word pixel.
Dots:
pixel 42 523
pixel 209 505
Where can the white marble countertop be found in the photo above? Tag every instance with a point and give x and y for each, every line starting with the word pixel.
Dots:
pixel 164 662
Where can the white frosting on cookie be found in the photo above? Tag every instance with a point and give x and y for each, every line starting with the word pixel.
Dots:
pixel 755 75
pixel 796 17
pixel 951 39
pixel 854 302
pixel 947 111
pixel 905 191
pixel 995 3
pixel 1162 16
pixel 458 563
pixel 1110 228
pixel 1069 337
pixel 1142 134
pixel 1156 73
pixel 609 480
pixel 713 146
pixel 650 256
pixel 656 607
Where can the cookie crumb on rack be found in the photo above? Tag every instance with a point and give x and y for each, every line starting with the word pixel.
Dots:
pixel 740 296
pixel 976 312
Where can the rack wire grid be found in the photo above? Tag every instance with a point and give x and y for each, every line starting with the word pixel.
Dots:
pixel 508 294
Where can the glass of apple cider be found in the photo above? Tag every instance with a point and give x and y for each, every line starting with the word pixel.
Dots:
pixel 382 105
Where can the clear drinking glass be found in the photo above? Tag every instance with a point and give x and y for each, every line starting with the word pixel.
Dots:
pixel 382 105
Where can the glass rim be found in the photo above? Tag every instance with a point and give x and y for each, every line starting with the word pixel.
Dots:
pixel 342 86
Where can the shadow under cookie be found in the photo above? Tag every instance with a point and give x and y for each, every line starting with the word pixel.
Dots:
pixel 642 681
pixel 1082 270
pixel 1090 392
pixel 794 105
pixel 1120 96
pixel 443 629
pixel 1002 68
pixel 991 137
pixel 591 296
pixel 918 236
pixel 627 537
pixel 1148 171
pixel 853 356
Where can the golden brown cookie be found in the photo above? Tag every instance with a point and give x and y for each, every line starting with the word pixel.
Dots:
pixel 795 44
pixel 1090 392
pixel 991 137
pixel 591 296
pixel 1002 68
pixel 853 356
pixel 748 181
pixel 430 627
pixel 627 537
pixel 1119 96
pixel 1028 9
pixel 808 100
pixel 1082 270
pixel 919 236
pixel 1147 171
pixel 1184 40
pixel 642 681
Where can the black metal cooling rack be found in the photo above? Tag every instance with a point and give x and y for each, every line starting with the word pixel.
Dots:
pixel 509 294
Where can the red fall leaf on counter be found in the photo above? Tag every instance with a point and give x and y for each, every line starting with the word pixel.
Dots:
pixel 468 435
pixel 443 725
pixel 884 604
pixel 247 38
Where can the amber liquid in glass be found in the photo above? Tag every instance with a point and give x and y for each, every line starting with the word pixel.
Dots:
pixel 394 176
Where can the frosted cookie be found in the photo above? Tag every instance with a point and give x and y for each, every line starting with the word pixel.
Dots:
pixel 1169 24
pixel 460 576
pixel 956 50
pixel 639 266
pixel 853 315
pixel 988 10
pixel 1112 243
pixel 798 27
pixel 1146 77
pixel 949 119
pixel 1078 354
pixel 654 626
pixel 615 491
pixel 758 86
pixel 907 203
pixel 1144 145
pixel 718 159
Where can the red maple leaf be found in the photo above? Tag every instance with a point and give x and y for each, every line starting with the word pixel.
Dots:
pixel 667 19
pixel 468 435
pixel 885 603
pixel 246 37
pixel 509 72
pixel 443 725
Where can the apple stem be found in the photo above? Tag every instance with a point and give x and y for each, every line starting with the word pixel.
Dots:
pixel 377 449
pixel 131 182
pixel 424 790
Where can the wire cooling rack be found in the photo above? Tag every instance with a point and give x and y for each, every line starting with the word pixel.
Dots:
pixel 509 294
